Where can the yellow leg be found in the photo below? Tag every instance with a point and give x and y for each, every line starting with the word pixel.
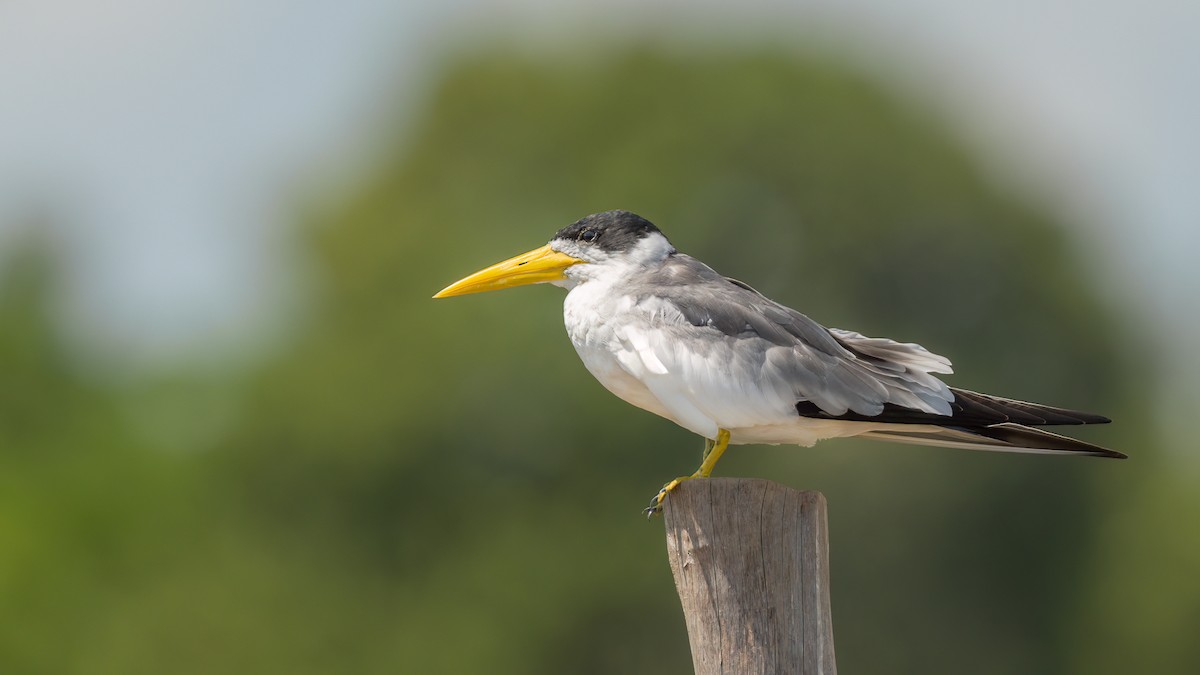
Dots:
pixel 712 455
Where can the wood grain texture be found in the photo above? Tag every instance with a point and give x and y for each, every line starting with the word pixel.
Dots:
pixel 751 564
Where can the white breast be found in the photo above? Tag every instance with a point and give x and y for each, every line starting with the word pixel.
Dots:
pixel 591 314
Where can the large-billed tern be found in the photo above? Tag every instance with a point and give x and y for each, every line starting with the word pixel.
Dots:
pixel 665 332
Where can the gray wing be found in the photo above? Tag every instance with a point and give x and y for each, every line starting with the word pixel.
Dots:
pixel 838 371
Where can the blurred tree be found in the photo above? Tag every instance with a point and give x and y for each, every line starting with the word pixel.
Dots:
pixel 80 495
pixel 440 487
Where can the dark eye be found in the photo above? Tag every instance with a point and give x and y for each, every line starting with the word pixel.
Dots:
pixel 588 236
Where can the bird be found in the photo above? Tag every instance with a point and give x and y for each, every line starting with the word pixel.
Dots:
pixel 668 334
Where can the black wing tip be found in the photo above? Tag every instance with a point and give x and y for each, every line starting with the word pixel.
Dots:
pixel 1108 454
pixel 1081 418
pixel 970 409
pixel 982 406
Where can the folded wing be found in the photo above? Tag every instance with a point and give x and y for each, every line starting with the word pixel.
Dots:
pixel 732 352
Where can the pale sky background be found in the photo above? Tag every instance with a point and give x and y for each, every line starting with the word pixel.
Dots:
pixel 162 143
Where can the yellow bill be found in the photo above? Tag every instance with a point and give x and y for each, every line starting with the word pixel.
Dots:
pixel 535 267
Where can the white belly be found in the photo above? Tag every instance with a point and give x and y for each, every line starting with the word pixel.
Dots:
pixel 607 370
pixel 795 430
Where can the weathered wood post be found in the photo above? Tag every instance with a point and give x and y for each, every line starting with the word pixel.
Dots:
pixel 751 564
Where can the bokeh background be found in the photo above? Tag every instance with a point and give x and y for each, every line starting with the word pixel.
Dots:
pixel 236 436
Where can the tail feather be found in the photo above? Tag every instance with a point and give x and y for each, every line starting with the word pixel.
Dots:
pixel 1003 437
pixel 977 422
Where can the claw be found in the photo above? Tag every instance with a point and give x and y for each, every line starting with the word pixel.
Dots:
pixel 656 502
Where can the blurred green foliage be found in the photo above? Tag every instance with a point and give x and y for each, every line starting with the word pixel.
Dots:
pixel 421 487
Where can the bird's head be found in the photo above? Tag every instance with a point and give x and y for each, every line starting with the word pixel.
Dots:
pixel 601 244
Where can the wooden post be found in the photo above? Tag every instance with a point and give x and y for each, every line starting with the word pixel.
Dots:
pixel 751 564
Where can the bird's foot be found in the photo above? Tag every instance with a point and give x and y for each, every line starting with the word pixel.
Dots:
pixel 712 453
pixel 657 501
